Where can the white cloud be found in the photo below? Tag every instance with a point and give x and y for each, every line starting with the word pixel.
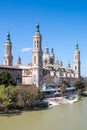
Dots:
pixel 26 49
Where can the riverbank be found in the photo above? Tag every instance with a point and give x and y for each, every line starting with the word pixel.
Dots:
pixel 60 100
pixel 44 104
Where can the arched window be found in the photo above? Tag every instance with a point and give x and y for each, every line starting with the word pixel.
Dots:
pixel 37 41
pixel 75 67
pixel 37 44
pixel 34 59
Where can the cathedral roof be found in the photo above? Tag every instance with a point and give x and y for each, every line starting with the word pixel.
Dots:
pixel 10 67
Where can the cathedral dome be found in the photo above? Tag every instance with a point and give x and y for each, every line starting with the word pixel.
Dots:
pixel 46 56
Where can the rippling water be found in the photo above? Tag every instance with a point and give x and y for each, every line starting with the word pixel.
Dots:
pixel 62 117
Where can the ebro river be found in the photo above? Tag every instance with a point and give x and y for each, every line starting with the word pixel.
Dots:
pixel 61 117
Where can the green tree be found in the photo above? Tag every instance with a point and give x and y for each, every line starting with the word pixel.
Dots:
pixel 19 97
pixel 27 96
pixel 80 85
pixel 6 79
pixel 4 99
pixel 64 85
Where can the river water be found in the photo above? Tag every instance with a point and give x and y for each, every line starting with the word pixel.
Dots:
pixel 62 117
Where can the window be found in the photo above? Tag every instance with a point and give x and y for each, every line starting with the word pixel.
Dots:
pixel 37 42
pixel 34 59
pixel 37 45
pixel 75 67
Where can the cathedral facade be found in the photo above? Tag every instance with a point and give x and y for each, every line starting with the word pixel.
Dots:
pixel 43 63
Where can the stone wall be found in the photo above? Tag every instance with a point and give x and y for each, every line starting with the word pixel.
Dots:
pixel 14 71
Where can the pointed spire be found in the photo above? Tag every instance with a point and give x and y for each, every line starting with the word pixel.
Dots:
pixel 8 38
pixel 19 61
pixel 37 27
pixel 77 46
pixel 37 31
pixel 52 51
pixel 46 50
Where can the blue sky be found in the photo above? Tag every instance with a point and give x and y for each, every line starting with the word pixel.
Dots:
pixel 62 23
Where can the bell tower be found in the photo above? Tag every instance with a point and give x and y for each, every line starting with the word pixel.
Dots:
pixel 37 65
pixel 77 62
pixel 8 58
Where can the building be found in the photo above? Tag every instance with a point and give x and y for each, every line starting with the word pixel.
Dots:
pixel 56 68
pixel 43 63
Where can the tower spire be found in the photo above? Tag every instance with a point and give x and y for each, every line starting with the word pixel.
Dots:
pixel 77 46
pixel 37 27
pixel 37 65
pixel 8 37
pixel 8 58
pixel 37 31
pixel 77 61
pixel 19 60
pixel 52 51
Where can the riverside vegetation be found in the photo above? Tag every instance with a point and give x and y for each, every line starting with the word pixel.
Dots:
pixel 15 98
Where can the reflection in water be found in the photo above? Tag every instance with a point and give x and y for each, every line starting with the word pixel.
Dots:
pixel 62 117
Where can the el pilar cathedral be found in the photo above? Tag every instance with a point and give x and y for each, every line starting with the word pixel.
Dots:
pixel 43 63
